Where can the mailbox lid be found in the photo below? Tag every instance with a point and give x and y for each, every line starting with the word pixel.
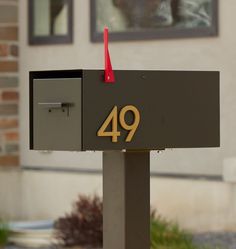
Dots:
pixel 56 114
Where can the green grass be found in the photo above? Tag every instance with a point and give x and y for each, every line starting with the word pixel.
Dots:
pixel 4 233
pixel 168 235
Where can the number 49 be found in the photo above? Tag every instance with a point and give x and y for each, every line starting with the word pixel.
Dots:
pixel 113 119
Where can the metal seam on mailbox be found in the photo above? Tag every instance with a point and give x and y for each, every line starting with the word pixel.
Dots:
pixel 31 112
pixel 82 111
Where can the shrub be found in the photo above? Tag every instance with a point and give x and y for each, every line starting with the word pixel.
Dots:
pixel 4 233
pixel 168 235
pixel 83 226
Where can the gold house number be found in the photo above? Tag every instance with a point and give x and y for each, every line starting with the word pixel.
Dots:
pixel 113 119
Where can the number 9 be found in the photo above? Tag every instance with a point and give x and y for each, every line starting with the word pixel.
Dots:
pixel 132 127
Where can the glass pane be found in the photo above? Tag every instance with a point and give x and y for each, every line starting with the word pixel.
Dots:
pixel 50 17
pixel 41 17
pixel 129 15
pixel 59 17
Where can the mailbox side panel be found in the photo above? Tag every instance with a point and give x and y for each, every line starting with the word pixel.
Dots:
pixel 177 109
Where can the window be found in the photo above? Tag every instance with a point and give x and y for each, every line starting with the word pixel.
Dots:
pixel 50 21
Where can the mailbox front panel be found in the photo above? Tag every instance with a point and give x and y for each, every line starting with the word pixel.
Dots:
pixel 57 114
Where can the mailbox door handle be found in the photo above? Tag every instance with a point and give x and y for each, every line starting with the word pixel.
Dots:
pixel 55 105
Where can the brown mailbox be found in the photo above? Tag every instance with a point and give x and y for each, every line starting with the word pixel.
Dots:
pixel 75 110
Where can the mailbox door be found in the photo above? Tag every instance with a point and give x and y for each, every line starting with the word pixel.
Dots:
pixel 56 114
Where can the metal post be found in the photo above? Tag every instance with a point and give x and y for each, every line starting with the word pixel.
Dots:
pixel 126 200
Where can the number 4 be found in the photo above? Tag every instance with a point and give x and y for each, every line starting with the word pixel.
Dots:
pixel 113 133
pixel 114 119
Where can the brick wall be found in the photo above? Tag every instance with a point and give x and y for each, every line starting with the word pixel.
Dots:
pixel 9 94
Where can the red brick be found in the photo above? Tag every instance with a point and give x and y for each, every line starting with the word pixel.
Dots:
pixel 9 160
pixel 9 33
pixel 14 50
pixel 8 109
pixel 11 148
pixel 8 13
pixel 12 136
pixel 8 82
pixel 8 123
pixel 8 66
pixel 10 95
pixel 3 50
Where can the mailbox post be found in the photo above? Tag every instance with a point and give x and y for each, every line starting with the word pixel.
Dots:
pixel 126 200
pixel 74 110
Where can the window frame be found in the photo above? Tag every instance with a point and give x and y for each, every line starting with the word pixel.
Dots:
pixel 162 33
pixel 50 39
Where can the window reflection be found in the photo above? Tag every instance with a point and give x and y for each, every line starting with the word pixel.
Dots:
pixel 50 17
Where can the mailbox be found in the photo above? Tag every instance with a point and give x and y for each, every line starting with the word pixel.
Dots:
pixel 74 110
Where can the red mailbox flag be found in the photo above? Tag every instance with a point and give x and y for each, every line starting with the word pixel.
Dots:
pixel 109 74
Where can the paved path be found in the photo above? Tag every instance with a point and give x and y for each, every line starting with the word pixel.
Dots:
pixel 223 240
